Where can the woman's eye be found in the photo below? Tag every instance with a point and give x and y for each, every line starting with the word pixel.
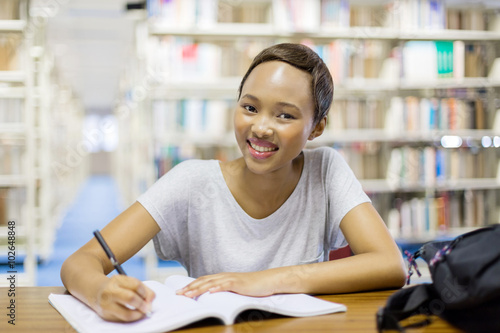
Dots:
pixel 250 108
pixel 286 116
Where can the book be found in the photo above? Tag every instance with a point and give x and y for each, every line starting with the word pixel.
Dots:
pixel 171 311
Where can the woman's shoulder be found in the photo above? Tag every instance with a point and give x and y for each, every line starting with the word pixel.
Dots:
pixel 322 153
pixel 192 168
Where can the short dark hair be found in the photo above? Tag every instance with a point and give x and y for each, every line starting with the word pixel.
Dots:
pixel 304 58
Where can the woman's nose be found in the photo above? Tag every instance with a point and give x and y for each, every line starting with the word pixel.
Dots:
pixel 262 127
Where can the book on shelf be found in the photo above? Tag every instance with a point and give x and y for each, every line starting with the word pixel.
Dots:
pixel 427 115
pixel 353 59
pixel 301 16
pixel 3 206
pixel 193 117
pixel 466 19
pixel 430 166
pixel 434 215
pixel 10 49
pixel 366 159
pixel 171 311
pixel 230 11
pixel 443 59
pixel 176 13
pixel 183 59
pixel 12 199
pixel 11 159
pixel 335 14
pixel 356 114
pixel 190 14
pixel 9 9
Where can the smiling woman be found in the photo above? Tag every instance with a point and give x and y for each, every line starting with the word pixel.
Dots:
pixel 258 225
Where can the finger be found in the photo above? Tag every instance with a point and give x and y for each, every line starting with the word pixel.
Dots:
pixel 132 293
pixel 117 312
pixel 131 300
pixel 111 306
pixel 199 287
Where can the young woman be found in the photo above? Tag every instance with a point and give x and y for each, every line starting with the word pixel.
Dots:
pixel 261 224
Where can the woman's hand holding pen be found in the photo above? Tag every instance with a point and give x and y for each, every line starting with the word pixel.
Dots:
pixel 250 284
pixel 123 298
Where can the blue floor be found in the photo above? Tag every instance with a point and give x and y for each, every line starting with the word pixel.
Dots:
pixel 97 203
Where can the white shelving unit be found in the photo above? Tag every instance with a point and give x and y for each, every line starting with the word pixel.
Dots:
pixel 20 178
pixel 34 187
pixel 159 39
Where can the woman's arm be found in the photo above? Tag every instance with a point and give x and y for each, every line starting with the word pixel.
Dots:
pixel 377 264
pixel 84 272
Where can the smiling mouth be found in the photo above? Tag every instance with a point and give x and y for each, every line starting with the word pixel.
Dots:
pixel 262 149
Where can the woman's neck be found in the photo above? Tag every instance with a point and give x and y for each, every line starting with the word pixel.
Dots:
pixel 260 195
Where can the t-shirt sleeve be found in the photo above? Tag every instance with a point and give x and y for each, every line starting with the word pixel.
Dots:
pixel 167 201
pixel 344 193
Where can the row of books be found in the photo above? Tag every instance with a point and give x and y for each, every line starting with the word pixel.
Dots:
pixel 185 13
pixel 183 58
pixel 367 160
pixel 194 117
pixel 469 19
pixel 335 14
pixel 353 58
pixel 430 216
pixel 442 59
pixel 230 11
pixel 168 156
pixel 409 114
pixel 10 48
pixel 431 166
pixel 11 159
pixel 356 113
pixel 9 9
pixel 11 203
pixel 411 15
pixel 413 114
pixel 11 110
pixel 312 15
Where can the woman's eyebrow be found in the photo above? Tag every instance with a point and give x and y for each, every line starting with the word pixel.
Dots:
pixel 250 97
pixel 282 104
pixel 289 105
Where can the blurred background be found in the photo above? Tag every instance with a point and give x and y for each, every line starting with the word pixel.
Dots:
pixel 98 99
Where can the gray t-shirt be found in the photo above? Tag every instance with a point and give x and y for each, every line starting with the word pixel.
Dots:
pixel 206 230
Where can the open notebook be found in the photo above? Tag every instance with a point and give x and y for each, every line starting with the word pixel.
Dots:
pixel 171 311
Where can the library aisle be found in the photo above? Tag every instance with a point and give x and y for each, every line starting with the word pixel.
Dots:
pixel 97 203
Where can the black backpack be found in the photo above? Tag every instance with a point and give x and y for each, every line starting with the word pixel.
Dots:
pixel 465 288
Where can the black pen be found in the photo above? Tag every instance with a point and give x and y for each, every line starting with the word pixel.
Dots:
pixel 110 254
pixel 114 262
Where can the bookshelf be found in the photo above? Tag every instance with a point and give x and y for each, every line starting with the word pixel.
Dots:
pixel 412 78
pixel 34 128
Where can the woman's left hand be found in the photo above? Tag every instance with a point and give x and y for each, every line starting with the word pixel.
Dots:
pixel 250 284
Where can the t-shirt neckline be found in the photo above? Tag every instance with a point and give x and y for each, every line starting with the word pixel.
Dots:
pixel 279 213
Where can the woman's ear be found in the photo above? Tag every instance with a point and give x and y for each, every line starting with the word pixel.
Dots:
pixel 318 129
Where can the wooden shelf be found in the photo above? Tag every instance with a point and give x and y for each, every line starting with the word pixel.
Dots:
pixel 12 25
pixel 12 92
pixel 13 180
pixel 382 185
pixel 268 30
pixel 12 76
pixel 381 135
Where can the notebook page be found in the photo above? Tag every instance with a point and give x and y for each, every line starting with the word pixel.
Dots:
pixel 170 311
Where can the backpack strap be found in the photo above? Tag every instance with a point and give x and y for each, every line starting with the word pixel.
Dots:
pixel 404 303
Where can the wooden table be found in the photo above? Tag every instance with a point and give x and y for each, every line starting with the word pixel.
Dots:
pixel 35 314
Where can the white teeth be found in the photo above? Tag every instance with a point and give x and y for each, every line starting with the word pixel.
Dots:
pixel 262 149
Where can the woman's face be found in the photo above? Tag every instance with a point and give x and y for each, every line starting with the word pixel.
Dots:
pixel 274 116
